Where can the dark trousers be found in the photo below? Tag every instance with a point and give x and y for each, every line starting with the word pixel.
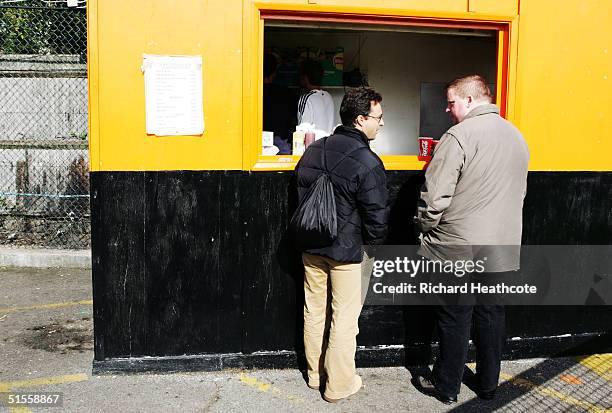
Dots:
pixel 455 323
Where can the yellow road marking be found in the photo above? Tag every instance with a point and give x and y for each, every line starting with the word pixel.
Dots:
pixel 253 382
pixel 42 381
pixel 19 409
pixel 266 388
pixel 45 306
pixel 546 391
pixel 7 386
pixel 600 364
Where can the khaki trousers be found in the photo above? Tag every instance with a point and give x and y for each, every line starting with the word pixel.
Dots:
pixel 332 304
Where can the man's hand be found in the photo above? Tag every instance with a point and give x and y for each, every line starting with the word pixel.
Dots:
pixel 416 228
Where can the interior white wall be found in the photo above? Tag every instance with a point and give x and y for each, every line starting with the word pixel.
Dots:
pixel 395 65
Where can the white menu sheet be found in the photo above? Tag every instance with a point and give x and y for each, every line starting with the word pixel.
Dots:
pixel 173 95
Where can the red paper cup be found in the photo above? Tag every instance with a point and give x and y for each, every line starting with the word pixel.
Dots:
pixel 426 146
pixel 309 138
pixel 433 145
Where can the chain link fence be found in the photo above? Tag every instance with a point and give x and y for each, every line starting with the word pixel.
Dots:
pixel 44 166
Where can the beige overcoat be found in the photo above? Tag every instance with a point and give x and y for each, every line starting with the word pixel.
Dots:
pixel 474 188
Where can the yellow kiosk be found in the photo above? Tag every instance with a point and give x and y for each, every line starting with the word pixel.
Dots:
pixel 191 263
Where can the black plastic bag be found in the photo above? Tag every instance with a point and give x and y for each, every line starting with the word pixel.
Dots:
pixel 314 222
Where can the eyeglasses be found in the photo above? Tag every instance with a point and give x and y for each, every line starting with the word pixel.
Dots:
pixel 378 118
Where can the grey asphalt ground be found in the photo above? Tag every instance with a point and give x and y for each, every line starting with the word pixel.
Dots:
pixel 46 346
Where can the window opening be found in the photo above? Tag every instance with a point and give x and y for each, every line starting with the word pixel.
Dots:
pixel 408 65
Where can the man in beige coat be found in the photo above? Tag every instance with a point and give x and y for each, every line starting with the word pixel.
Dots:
pixel 473 196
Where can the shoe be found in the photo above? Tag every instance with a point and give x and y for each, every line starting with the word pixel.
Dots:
pixel 313 387
pixel 330 400
pixel 486 395
pixel 357 387
pixel 424 384
pixel 429 387
pixel 446 399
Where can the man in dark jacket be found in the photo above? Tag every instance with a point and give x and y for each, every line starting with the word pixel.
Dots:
pixel 360 191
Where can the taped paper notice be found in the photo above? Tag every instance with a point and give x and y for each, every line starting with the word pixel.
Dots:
pixel 173 95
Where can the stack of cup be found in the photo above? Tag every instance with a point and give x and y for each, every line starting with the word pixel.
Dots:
pixel 309 138
pixel 426 148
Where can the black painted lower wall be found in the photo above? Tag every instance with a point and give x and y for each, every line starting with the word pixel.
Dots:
pixel 194 270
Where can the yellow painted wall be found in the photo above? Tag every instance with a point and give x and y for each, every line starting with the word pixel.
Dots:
pixel 560 92
pixel 432 6
pixel 123 31
pixel 504 7
pixel 564 83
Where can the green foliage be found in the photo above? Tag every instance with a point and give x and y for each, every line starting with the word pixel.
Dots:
pixel 22 31
pixel 38 29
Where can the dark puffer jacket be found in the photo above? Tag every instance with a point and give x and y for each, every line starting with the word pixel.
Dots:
pixel 360 190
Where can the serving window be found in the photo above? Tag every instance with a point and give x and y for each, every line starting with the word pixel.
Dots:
pixel 408 64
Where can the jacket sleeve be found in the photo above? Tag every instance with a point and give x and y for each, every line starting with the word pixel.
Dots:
pixel 299 189
pixel 372 204
pixel 441 179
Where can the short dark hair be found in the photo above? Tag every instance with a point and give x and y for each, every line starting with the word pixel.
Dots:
pixel 357 102
pixel 270 64
pixel 474 85
pixel 313 71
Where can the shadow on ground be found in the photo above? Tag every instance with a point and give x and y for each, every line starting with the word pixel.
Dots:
pixel 555 385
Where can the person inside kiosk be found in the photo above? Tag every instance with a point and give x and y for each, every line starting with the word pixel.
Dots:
pixel 279 107
pixel 315 106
